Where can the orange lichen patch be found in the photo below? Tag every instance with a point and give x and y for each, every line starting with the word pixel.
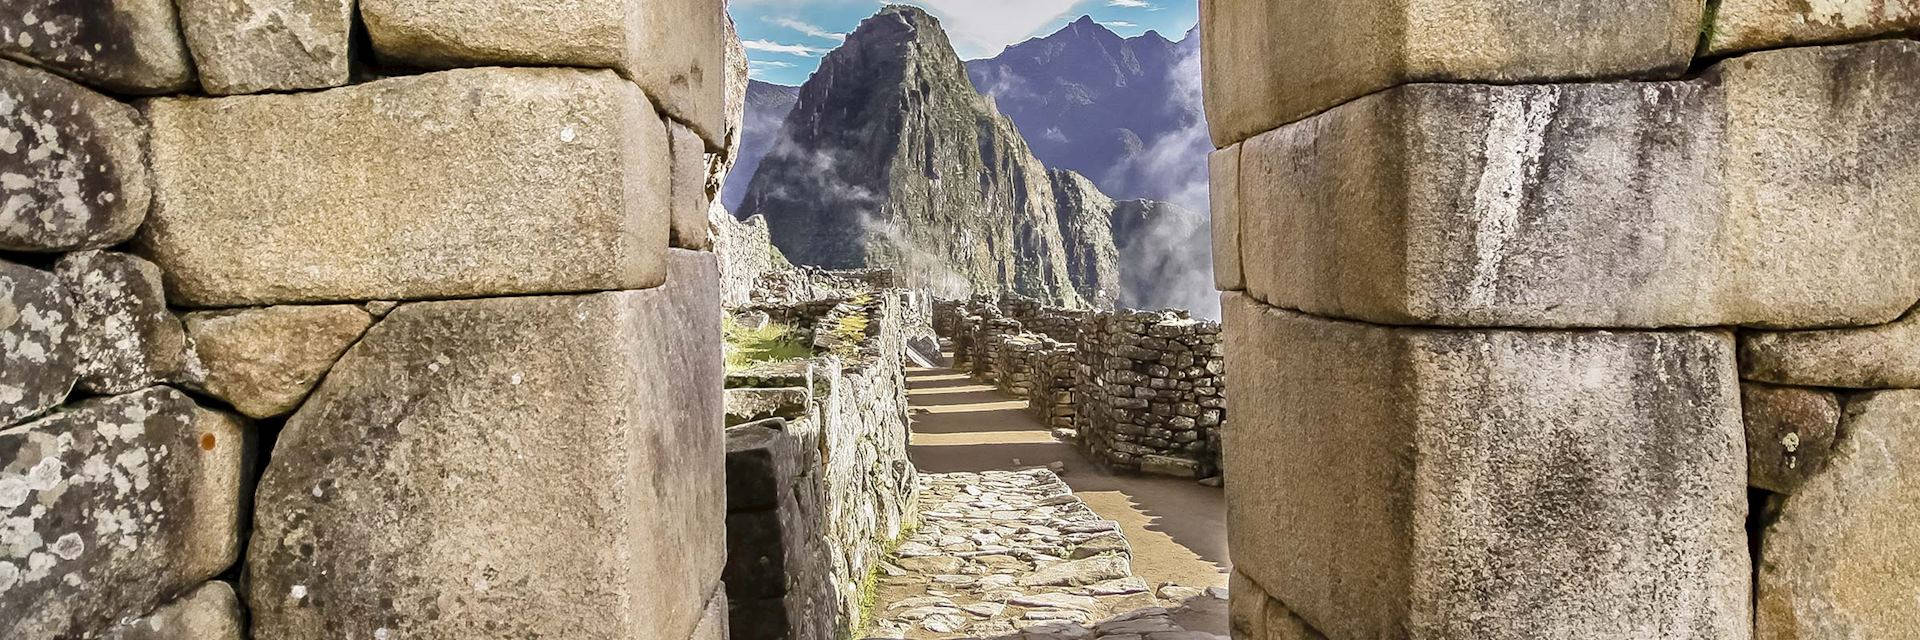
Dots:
pixel 207 441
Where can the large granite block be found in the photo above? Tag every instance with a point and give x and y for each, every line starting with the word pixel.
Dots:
pixel 475 182
pixel 1487 484
pixel 125 46
pixel 112 507
pixel 73 168
pixel 209 612
pixel 1271 62
pixel 674 49
pixel 1843 559
pixel 1745 25
pixel 39 363
pixel 265 361
pixel 511 467
pixel 123 334
pixel 249 46
pixel 1876 357
pixel 1790 433
pixel 1224 169
pixel 1776 190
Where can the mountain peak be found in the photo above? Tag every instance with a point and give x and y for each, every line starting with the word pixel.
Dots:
pixel 1086 20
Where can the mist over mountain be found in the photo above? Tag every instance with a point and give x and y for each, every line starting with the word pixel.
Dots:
pixel 767 106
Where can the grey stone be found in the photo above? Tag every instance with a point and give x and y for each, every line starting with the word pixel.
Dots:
pixel 123 334
pixel 38 362
pixel 210 612
pixel 1843 560
pixel 249 46
pixel 1112 543
pixel 1073 573
pixel 111 507
pixel 1790 433
pixel 473 182
pixel 1169 466
pixel 1270 63
pixel 689 199
pixel 396 500
pixel 1878 357
pixel 1746 25
pixel 751 405
pixel 265 361
pixel 673 49
pixel 1487 484
pixel 1224 168
pixel 126 46
pixel 75 170
pixel 713 622
pixel 1772 191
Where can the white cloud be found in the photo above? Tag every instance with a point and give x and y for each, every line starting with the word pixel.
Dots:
pixel 807 28
pixel 1121 24
pixel 770 46
pixel 981 28
pixel 1132 4
pixel 769 64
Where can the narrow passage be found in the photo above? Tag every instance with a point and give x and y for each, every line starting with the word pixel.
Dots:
pixel 999 528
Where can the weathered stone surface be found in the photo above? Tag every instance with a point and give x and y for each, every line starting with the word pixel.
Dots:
pixel 264 361
pixel 1270 63
pixel 1843 560
pixel 210 612
pixel 417 490
pixel 1790 433
pixel 248 46
pixel 127 46
pixel 73 171
pixel 471 182
pixel 1487 484
pixel 113 506
pixel 1745 25
pixel 1877 357
pixel 123 335
pixel 1224 165
pixel 689 201
pixel 38 362
pixel 1772 191
pixel 673 49
pixel 713 623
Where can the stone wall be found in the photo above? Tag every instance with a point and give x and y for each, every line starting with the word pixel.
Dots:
pixel 818 481
pixel 1574 319
pixel 1138 390
pixel 310 330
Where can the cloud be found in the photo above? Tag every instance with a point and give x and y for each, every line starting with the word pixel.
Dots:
pixel 770 46
pixel 981 28
pixel 769 64
pixel 1122 24
pixel 1132 4
pixel 807 28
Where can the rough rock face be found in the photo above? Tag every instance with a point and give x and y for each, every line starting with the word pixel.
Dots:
pixel 264 361
pixel 891 159
pixel 688 217
pixel 1745 25
pixel 1877 357
pixel 1841 561
pixel 1271 63
pixel 395 503
pixel 124 336
pixel 1772 191
pixel 210 612
pixel 1224 165
pixel 1487 483
pixel 1124 112
pixel 458 183
pixel 129 46
pixel 74 164
pixel 38 362
pixel 140 491
pixel 248 46
pixel 1790 433
pixel 766 109
pixel 1086 224
pixel 672 49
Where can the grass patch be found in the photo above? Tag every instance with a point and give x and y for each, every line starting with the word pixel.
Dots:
pixel 772 343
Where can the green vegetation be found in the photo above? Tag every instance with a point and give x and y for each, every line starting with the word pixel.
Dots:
pixel 771 343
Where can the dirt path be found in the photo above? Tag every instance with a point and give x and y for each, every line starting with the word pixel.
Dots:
pixel 1176 528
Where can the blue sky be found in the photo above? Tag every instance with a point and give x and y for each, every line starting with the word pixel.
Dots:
pixel 785 38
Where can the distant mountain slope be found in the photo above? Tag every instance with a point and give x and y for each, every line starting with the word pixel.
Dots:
pixel 890 158
pixel 1125 112
pixel 767 107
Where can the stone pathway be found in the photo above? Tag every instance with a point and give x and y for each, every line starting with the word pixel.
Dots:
pixel 1015 555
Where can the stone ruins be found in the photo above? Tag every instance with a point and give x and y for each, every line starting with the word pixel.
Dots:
pixel 1570 319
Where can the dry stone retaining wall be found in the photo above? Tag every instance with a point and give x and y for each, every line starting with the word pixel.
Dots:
pixel 1138 390
pixel 297 341
pixel 1536 335
pixel 818 480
